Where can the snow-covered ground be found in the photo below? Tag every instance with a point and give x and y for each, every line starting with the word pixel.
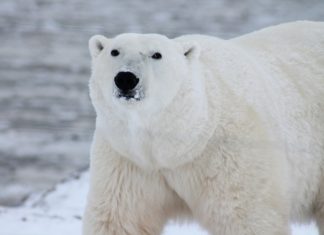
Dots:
pixel 59 211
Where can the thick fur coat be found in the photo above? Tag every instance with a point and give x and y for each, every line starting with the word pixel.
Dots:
pixel 227 132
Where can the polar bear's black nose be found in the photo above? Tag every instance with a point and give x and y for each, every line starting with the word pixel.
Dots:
pixel 126 81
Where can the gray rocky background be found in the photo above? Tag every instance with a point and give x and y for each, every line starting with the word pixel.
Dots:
pixel 46 120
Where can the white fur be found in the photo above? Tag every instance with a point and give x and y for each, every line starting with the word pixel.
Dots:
pixel 228 132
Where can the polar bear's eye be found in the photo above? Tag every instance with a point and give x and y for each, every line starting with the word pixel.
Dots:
pixel 157 56
pixel 114 52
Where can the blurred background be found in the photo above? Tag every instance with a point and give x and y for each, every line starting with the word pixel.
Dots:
pixel 46 119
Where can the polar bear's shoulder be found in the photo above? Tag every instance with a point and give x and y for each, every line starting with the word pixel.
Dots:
pixel 287 34
pixel 291 29
pixel 288 46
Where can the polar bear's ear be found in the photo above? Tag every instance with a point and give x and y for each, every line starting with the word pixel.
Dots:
pixel 96 44
pixel 190 49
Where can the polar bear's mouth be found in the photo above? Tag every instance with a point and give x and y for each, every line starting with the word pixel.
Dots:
pixel 133 95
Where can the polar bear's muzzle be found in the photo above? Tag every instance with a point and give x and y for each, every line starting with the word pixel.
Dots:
pixel 127 86
pixel 126 81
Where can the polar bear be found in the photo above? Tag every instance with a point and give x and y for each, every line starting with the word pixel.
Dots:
pixel 229 133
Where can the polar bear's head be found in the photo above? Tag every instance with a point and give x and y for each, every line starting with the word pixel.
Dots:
pixel 139 71
pixel 149 91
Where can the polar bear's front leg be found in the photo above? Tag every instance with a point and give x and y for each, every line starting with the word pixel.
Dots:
pixel 231 195
pixel 123 199
pixel 227 215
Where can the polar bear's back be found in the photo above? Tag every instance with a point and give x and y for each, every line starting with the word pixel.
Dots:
pixel 290 44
